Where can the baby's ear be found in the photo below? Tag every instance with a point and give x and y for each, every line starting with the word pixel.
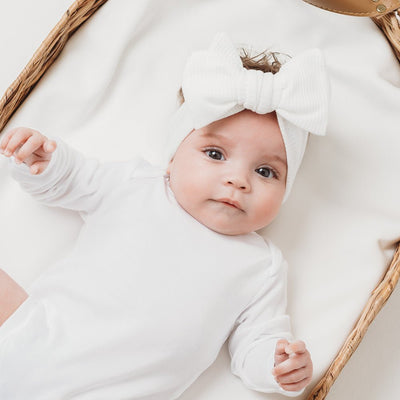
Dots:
pixel 168 171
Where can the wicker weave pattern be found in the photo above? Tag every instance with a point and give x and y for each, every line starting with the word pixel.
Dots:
pixel 50 49
pixel 390 26
pixel 45 55
pixel 375 303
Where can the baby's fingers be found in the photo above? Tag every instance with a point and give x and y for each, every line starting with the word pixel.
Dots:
pixel 296 362
pixel 294 387
pixel 14 139
pixel 5 137
pixel 38 167
pixel 280 346
pixel 294 376
pixel 49 146
pixel 280 353
pixel 296 347
pixel 38 145
pixel 32 144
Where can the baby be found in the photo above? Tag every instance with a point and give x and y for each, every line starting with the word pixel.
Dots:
pixel 167 266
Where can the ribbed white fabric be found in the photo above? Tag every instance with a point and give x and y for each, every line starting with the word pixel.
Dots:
pixel 216 85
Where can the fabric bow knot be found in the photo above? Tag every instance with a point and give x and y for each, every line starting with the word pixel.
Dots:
pixel 216 85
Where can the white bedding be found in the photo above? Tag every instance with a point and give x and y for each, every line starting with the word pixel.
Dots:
pixel 110 94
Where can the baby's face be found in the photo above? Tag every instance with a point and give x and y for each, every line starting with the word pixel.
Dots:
pixel 231 174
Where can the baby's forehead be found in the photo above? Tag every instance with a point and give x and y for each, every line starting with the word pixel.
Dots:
pixel 245 126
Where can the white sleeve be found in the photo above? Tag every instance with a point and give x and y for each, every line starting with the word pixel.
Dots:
pixel 70 180
pixel 257 330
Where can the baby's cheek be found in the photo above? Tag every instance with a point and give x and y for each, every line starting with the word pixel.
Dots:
pixel 267 211
pixel 187 195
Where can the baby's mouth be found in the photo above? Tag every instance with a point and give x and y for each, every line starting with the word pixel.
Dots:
pixel 230 203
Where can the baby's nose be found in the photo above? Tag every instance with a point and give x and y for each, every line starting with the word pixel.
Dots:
pixel 239 182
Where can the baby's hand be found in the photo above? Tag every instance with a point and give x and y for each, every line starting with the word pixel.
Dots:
pixel 293 366
pixel 29 147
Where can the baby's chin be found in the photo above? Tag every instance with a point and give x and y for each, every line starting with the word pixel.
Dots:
pixel 227 228
pixel 232 227
pixel 225 221
pixel 232 232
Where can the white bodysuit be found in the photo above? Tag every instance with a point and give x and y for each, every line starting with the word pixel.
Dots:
pixel 144 302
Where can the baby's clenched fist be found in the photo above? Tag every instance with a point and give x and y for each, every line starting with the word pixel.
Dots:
pixel 293 366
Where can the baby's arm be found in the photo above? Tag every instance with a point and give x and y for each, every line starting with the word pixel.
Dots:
pixel 56 175
pixel 28 146
pixel 293 366
pixel 256 358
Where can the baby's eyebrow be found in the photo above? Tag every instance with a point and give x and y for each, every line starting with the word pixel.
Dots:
pixel 278 158
pixel 213 135
pixel 273 158
pixel 209 134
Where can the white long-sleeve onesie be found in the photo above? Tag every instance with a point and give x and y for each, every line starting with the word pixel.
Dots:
pixel 144 302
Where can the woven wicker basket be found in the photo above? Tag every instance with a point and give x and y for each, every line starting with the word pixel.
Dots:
pixel 50 49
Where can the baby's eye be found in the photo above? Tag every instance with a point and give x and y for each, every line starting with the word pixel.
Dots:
pixel 266 172
pixel 214 154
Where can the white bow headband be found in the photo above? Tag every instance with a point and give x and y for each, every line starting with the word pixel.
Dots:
pixel 216 85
